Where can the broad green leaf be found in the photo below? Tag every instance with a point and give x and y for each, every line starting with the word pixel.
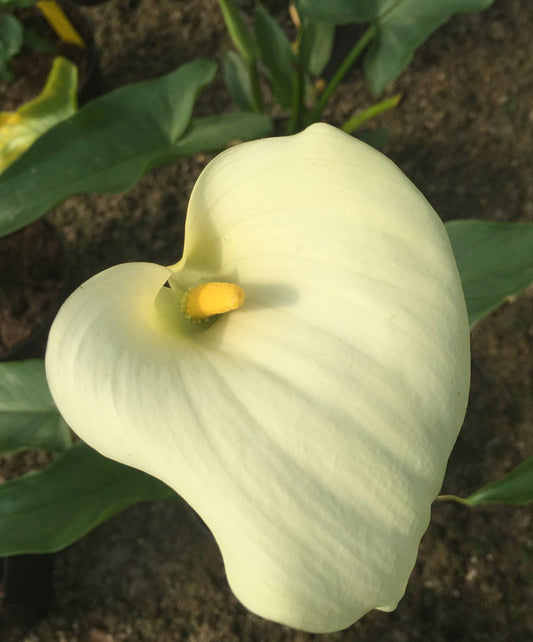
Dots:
pixel 315 46
pixel 28 415
pixel 238 30
pixel 402 26
pixel 514 488
pixel 211 133
pixel 238 80
pixel 338 11
pixel 56 102
pixel 276 55
pixel 105 147
pixel 495 260
pixel 46 511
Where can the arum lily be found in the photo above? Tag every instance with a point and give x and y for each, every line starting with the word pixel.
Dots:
pixel 57 101
pixel 300 382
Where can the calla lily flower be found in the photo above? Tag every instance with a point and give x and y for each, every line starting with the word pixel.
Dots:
pixel 299 376
pixel 57 101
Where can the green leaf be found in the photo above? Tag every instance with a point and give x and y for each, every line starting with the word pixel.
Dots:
pixel 315 46
pixel 514 488
pixel 238 80
pixel 211 133
pixel 402 26
pixel 34 41
pixel 16 4
pixel 105 147
pixel 28 415
pixel 238 30
pixel 338 11
pixel 46 511
pixel 276 55
pixel 56 102
pixel 376 138
pixel 495 260
pixel 11 38
pixel 58 98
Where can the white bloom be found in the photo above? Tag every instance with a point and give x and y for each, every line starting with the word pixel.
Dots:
pixel 310 428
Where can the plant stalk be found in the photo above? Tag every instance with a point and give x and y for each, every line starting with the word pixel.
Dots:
pixel 454 498
pixel 295 120
pixel 374 110
pixel 343 69
pixel 257 96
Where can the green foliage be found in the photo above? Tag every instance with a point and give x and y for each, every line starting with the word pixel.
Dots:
pixel 11 39
pixel 377 138
pixel 514 488
pixel 396 28
pixel 315 47
pixel 238 30
pixel 9 5
pixel 111 142
pixel 401 26
pixel 495 260
pixel 238 80
pixel 361 117
pixel 14 35
pixel 35 42
pixel 338 12
pixel 276 54
pixel 46 511
pixel 28 416
pixel 56 102
pixel 212 133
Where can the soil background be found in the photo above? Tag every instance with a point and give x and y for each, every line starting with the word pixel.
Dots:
pixel 464 134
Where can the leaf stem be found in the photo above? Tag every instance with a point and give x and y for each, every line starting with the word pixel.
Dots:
pixel 374 110
pixel 454 498
pixel 257 97
pixel 343 69
pixel 295 120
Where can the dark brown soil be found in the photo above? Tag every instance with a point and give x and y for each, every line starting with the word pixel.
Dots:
pixel 464 134
pixel 33 277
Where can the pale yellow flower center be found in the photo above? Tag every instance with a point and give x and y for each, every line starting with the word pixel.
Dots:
pixel 208 299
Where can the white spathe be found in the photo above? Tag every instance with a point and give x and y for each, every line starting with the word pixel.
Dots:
pixel 311 428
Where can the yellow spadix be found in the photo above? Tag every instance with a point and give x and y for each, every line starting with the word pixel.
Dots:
pixel 208 299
